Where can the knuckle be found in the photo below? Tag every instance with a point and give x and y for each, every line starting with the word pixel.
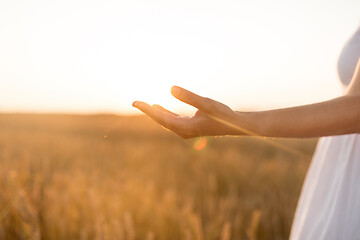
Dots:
pixel 186 132
pixel 214 107
pixel 188 136
pixel 184 136
pixel 209 105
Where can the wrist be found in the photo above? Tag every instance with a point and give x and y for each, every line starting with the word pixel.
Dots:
pixel 248 123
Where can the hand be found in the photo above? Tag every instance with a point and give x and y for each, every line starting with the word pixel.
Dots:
pixel 212 118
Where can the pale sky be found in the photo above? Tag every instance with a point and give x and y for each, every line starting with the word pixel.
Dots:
pixel 100 55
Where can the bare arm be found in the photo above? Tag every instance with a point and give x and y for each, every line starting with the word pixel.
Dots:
pixel 334 117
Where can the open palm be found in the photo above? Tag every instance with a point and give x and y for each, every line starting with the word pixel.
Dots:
pixel 212 117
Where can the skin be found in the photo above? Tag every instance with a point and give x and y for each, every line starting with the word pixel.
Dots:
pixel 334 117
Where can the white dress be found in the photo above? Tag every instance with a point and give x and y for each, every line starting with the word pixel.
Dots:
pixel 329 205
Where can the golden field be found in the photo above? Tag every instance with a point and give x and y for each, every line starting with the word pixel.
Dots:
pixel 115 177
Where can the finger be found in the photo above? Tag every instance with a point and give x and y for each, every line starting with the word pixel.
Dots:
pixel 204 104
pixel 161 117
pixel 165 110
pixel 188 97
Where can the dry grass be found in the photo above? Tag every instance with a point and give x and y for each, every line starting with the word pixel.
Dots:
pixel 111 177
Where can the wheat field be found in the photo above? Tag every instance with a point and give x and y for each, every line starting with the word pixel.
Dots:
pixel 126 178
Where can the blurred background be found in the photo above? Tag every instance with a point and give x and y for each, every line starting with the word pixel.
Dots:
pixel 99 56
pixel 77 162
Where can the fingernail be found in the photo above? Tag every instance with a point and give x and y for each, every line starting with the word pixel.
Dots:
pixel 134 104
pixel 175 90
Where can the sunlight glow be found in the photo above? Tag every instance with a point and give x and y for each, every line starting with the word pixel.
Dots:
pixel 99 56
pixel 200 144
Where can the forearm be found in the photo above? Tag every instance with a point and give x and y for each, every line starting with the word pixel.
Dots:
pixel 333 117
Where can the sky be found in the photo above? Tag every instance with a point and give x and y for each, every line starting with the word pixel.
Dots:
pixel 97 56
